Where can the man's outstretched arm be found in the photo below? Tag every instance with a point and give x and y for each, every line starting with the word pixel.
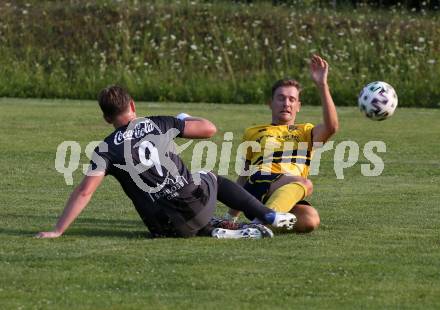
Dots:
pixel 78 200
pixel 330 124
pixel 197 127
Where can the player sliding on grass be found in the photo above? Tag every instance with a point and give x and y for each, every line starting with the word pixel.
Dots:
pixel 285 150
pixel 169 199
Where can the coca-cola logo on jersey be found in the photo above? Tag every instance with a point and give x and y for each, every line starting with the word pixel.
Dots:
pixel 139 131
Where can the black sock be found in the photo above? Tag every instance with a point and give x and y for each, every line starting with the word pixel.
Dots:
pixel 236 197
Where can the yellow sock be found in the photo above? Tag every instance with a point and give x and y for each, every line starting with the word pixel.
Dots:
pixel 286 197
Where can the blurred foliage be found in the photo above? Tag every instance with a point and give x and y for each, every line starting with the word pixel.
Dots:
pixel 222 51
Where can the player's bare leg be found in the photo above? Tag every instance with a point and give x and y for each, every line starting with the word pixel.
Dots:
pixel 289 191
pixel 307 218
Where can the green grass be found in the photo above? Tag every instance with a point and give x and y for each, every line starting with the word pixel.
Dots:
pixel 213 51
pixel 377 247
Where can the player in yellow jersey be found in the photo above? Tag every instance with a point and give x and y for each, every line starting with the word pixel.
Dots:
pixel 281 152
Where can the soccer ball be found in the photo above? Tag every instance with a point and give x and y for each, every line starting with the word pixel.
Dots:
pixel 377 100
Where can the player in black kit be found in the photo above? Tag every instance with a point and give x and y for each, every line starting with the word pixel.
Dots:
pixel 172 202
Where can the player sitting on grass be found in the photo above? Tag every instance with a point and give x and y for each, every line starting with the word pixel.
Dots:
pixel 168 198
pixel 283 159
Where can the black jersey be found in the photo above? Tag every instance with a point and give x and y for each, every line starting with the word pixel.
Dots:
pixel 141 156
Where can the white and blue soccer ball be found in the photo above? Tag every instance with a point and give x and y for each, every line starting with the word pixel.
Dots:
pixel 378 100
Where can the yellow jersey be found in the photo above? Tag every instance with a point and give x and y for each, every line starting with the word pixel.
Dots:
pixel 283 149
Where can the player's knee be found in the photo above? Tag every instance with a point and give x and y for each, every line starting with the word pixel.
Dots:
pixel 313 222
pixel 308 185
pixel 308 225
pixel 307 220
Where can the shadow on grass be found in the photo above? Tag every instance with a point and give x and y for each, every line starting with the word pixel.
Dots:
pixel 81 220
pixel 82 232
pixel 89 232
pixel 120 228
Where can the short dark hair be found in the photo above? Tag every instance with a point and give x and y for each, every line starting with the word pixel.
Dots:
pixel 113 100
pixel 285 83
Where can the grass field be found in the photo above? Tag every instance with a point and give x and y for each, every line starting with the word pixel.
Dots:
pixel 377 247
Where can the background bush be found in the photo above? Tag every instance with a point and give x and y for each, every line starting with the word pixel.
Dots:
pixel 215 51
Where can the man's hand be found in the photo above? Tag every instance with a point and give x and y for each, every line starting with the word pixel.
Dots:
pixel 48 234
pixel 318 70
pixel 330 124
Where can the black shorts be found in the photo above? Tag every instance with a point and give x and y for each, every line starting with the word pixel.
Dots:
pixel 175 224
pixel 258 185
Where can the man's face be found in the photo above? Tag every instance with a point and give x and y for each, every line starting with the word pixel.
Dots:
pixel 285 104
